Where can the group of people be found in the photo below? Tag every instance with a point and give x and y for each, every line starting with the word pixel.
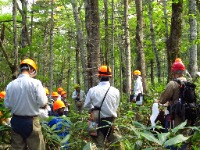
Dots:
pixel 27 99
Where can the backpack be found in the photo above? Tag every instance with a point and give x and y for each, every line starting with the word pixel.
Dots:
pixel 187 108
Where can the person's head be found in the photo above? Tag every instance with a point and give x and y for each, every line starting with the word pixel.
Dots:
pixel 2 95
pixel 58 107
pixel 60 89
pixel 178 69
pixel 136 73
pixel 77 87
pixel 63 95
pixel 28 66
pixel 105 73
pixel 46 91
pixel 54 95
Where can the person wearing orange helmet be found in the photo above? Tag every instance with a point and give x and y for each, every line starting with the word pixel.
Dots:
pixel 64 99
pixel 24 97
pixel 104 99
pixel 63 126
pixel 60 89
pixel 138 88
pixel 79 98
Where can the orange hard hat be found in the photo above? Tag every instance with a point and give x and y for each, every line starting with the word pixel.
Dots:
pixel 58 104
pixel 2 94
pixel 29 62
pixel 63 92
pixel 60 89
pixel 104 71
pixel 137 72
pixel 54 94
pixel 178 60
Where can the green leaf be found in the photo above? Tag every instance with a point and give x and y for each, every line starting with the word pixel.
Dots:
pixel 163 137
pixel 149 136
pixel 175 140
pixel 179 127
pixel 87 146
pixel 64 140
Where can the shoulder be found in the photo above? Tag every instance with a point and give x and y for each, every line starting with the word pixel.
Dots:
pixel 114 90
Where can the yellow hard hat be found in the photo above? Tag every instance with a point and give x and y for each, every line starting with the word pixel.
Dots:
pixel 2 94
pixel 29 62
pixel 58 104
pixel 46 90
pixel 136 72
pixel 178 60
pixel 55 94
pixel 77 86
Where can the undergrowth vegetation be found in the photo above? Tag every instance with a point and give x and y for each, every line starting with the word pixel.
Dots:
pixel 133 123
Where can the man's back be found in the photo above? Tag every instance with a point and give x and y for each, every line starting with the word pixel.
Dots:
pixel 26 96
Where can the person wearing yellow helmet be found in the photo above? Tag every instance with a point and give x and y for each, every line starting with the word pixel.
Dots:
pixel 79 98
pixel 24 97
pixel 103 101
pixel 137 88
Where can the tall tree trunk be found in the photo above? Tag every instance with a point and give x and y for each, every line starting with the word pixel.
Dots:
pixel 80 42
pixel 93 39
pixel 174 41
pixel 153 42
pixel 51 45
pixel 106 33
pixel 45 59
pixel 193 68
pixel 139 42
pixel 15 39
pixel 112 62
pixel 127 49
pixel 166 27
pixel 24 32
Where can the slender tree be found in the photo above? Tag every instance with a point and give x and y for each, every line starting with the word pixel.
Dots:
pixel 80 41
pixel 193 68
pixel 174 40
pixel 93 39
pixel 127 48
pixel 154 41
pixel 51 44
pixel 139 43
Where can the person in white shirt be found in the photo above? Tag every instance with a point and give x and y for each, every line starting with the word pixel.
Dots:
pixel 79 98
pixel 24 97
pixel 108 111
pixel 138 88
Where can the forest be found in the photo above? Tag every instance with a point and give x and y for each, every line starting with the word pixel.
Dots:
pixel 70 39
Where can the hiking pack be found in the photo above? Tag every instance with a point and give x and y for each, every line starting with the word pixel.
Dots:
pixel 186 107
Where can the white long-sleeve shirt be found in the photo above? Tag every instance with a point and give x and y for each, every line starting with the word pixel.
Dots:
pixel 138 88
pixel 95 96
pixel 81 95
pixel 25 96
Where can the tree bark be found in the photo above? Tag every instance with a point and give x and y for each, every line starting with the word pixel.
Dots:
pixel 154 42
pixel 174 41
pixel 106 33
pixel 139 43
pixel 193 68
pixel 127 49
pixel 51 45
pixel 80 42
pixel 93 40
